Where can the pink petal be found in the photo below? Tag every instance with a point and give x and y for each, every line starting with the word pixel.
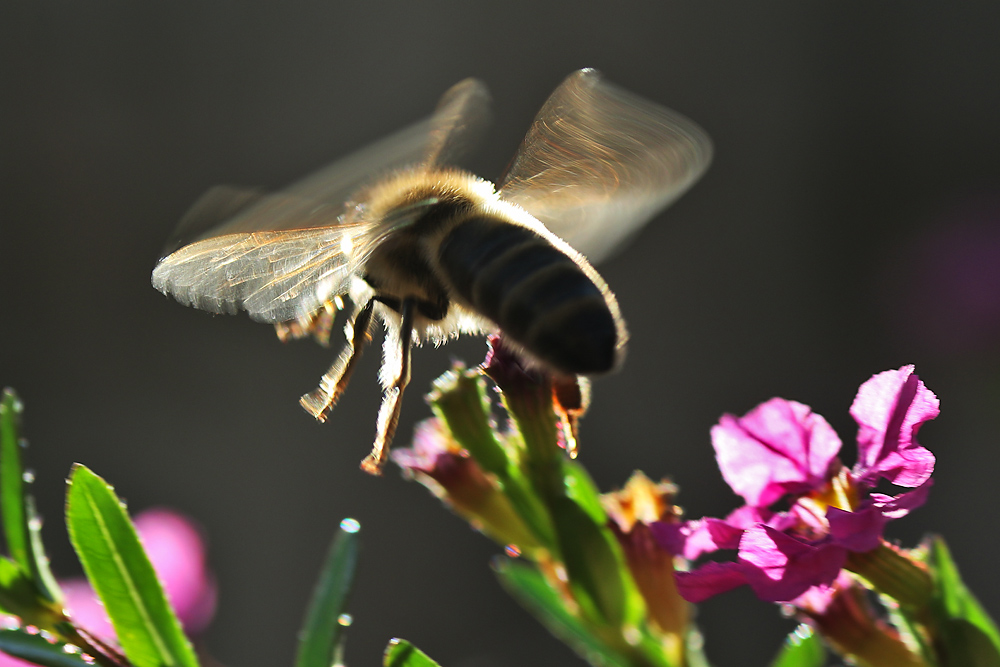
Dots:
pixel 692 539
pixel 817 599
pixel 708 580
pixel 85 608
pixel 430 439
pixel 779 447
pixel 889 409
pixel 857 531
pixel 747 515
pixel 780 568
pixel 895 507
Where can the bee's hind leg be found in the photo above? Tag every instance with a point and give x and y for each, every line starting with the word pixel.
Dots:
pixel 321 400
pixel 388 414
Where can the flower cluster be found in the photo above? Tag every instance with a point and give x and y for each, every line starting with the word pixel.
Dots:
pixel 783 453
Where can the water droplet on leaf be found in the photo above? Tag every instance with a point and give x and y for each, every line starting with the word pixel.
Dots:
pixel 345 619
pixel 350 525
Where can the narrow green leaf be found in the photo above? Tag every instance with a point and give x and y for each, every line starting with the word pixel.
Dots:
pixel 321 634
pixel 953 599
pixel 594 570
pixel 119 570
pixel 15 521
pixel 802 648
pixel 19 597
pixel 36 649
pixel 22 526
pixel 41 572
pixel 581 488
pixel 529 587
pixel 17 593
pixel 401 653
pixel 966 645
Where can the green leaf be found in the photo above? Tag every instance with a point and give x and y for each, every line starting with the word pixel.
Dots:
pixel 581 488
pixel 966 645
pixel 594 570
pixel 36 649
pixel 15 522
pixel 19 597
pixel 109 549
pixel 527 585
pixel 321 634
pixel 22 527
pixel 802 648
pixel 401 653
pixel 953 599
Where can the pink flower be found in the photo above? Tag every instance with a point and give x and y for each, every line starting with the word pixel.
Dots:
pixel 782 451
pixel 177 551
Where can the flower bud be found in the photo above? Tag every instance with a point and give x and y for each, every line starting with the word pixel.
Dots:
pixel 440 464
pixel 632 510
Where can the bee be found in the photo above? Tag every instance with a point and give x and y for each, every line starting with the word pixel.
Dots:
pixel 434 251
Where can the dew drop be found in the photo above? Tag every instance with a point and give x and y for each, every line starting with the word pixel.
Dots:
pixel 70 649
pixel 89 659
pixel 10 623
pixel 28 476
pixel 34 523
pixel 345 619
pixel 350 525
pixel 47 636
pixel 31 629
pixel 512 550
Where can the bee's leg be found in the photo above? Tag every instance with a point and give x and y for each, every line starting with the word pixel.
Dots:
pixel 317 324
pixel 388 414
pixel 319 401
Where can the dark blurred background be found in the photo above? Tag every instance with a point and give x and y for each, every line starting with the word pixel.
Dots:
pixel 849 224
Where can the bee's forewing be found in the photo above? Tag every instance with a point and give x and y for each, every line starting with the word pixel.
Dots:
pixel 599 162
pixel 280 256
pixel 274 276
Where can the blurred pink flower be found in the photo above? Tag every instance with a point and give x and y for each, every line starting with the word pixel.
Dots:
pixel 942 290
pixel 782 451
pixel 177 551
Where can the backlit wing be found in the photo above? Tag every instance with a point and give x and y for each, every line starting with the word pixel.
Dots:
pixel 599 162
pixel 274 276
pixel 280 256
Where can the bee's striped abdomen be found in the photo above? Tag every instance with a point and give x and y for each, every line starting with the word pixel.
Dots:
pixel 534 292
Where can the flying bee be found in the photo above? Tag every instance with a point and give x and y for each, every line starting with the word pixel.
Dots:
pixel 434 251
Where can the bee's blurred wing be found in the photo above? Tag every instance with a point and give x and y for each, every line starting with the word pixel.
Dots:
pixel 320 198
pixel 280 256
pixel 599 162
pixel 274 276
